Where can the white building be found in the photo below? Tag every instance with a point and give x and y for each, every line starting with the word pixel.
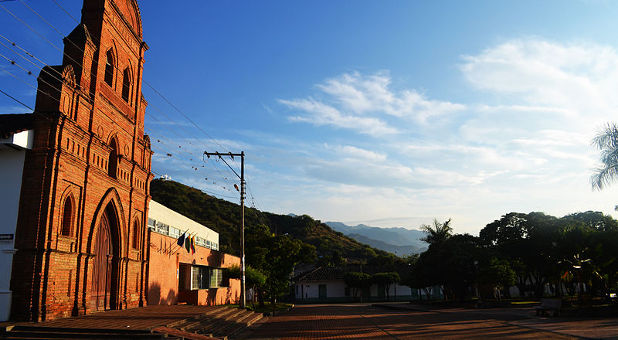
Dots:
pixel 326 284
pixel 166 221
pixel 16 137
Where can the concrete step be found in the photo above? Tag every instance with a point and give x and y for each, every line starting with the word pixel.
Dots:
pixel 234 326
pixel 215 325
pixel 196 322
pixel 255 317
pixel 209 311
pixel 220 322
pixel 223 313
pixel 248 315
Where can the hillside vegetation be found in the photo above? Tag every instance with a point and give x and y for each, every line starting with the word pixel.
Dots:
pixel 333 248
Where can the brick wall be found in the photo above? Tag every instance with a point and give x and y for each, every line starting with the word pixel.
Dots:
pixel 164 260
pixel 80 121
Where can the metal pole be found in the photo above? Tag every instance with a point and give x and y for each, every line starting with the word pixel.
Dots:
pixel 243 300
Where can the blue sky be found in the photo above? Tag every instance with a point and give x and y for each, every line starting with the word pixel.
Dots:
pixel 388 113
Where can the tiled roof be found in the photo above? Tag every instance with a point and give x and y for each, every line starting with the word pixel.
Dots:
pixel 11 124
pixel 334 273
pixel 323 274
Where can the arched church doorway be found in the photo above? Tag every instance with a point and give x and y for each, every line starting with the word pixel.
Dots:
pixel 105 269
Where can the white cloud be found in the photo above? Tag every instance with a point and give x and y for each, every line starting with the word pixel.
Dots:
pixel 364 102
pixel 352 152
pixel 575 78
pixel 319 114
pixel 365 94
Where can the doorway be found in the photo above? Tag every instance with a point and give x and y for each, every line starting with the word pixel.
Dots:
pixel 105 271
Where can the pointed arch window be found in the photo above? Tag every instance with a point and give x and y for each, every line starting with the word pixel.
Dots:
pixel 109 68
pixel 112 162
pixel 135 239
pixel 126 85
pixel 67 216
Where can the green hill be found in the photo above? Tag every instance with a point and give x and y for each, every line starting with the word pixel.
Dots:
pixel 224 217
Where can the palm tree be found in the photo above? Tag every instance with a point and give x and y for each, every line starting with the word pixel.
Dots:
pixel 607 142
pixel 438 232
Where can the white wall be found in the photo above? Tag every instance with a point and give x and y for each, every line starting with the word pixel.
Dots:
pixel 159 212
pixel 336 289
pixel 11 170
pixel 311 290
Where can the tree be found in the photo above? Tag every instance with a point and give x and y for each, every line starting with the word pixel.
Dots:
pixel 498 274
pixel 437 233
pixel 386 280
pixel 607 142
pixel 283 254
pixel 357 282
pixel 253 277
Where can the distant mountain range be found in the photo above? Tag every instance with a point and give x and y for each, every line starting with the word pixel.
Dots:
pixel 400 241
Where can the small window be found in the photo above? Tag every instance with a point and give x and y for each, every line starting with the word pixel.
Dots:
pixel 67 217
pixel 109 68
pixel 163 228
pixel 206 277
pixel 174 232
pixel 216 278
pixel 136 235
pixel 126 85
pixel 151 222
pixel 112 165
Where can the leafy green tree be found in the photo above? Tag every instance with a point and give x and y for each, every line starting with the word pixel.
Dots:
pixel 254 279
pixel 607 142
pixel 438 232
pixel 421 275
pixel 357 281
pixel 284 253
pixel 499 274
pixel 385 280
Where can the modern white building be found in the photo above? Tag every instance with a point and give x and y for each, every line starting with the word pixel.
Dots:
pixel 16 137
pixel 166 221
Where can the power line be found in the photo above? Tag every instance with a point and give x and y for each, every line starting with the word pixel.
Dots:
pixel 12 62
pixel 15 99
pixel 30 27
pixel 114 65
pixel 149 113
pixel 22 49
pixel 169 102
pixel 65 11
pixel 143 81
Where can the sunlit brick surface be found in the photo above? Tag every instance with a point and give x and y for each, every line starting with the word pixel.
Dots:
pixel 366 322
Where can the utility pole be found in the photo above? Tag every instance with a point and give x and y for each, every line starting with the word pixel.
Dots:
pixel 243 299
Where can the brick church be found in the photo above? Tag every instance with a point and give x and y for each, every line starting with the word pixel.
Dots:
pixel 81 232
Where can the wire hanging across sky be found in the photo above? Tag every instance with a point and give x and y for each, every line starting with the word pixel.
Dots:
pixel 157 92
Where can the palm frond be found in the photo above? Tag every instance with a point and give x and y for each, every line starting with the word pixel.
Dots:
pixel 607 142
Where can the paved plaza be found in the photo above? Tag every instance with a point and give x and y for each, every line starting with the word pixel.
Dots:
pixel 405 321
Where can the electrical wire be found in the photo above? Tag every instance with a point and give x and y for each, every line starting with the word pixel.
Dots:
pixel 16 100
pixel 12 62
pixel 169 102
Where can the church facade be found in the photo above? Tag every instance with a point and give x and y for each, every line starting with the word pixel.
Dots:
pixel 81 236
